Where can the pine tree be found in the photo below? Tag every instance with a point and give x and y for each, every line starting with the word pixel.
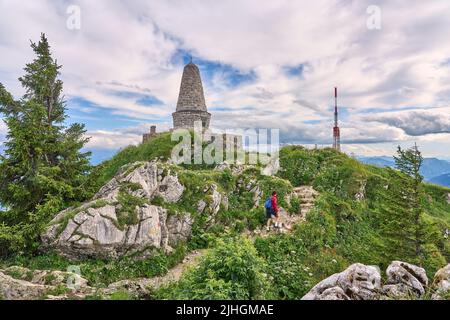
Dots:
pixel 402 210
pixel 396 219
pixel 42 168
pixel 409 163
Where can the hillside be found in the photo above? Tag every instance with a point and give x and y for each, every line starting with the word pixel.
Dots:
pixel 346 225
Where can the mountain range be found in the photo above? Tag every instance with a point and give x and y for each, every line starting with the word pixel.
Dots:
pixel 434 170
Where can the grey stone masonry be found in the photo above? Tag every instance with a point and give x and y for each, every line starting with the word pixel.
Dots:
pixel 151 134
pixel 191 104
pixel 186 119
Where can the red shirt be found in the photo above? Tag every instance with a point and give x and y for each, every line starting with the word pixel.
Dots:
pixel 274 203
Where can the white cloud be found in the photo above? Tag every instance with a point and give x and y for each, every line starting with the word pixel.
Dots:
pixel 112 139
pixel 130 47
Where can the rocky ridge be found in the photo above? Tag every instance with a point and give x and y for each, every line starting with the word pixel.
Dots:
pixel 362 282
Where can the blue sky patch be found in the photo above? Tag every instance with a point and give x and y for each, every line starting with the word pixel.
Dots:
pixel 209 69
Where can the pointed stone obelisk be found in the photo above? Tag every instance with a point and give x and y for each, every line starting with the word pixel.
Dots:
pixel 191 104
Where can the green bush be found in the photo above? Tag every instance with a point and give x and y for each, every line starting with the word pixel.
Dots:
pixel 232 270
pixel 103 272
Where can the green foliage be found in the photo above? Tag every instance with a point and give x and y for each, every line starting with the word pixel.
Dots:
pixel 42 168
pixel 158 147
pixel 401 209
pixel 232 270
pixel 299 167
pixel 120 295
pixel 101 273
pixel 127 210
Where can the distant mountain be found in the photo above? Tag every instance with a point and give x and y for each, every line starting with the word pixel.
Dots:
pixel 433 170
pixel 443 180
pixel 382 161
pixel 433 167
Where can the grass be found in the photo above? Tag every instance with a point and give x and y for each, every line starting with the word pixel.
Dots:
pixel 158 147
pixel 339 231
pixel 101 273
pixel 127 212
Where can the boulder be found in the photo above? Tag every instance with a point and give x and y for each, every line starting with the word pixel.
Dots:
pixel 48 277
pixel 357 282
pixel 19 283
pixel 16 289
pixel 404 279
pixel 441 283
pixel 211 204
pixel 121 220
pixel 272 167
pixel 235 169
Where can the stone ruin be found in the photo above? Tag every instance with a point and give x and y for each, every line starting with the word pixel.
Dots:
pixel 151 134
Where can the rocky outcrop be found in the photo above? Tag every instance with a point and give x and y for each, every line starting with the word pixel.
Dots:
pixel 405 279
pixel 360 282
pixel 14 289
pixel 18 283
pixel 252 186
pixel 357 282
pixel 212 202
pixel 272 167
pixel 120 219
pixel 441 283
pixel 235 169
pixel 361 194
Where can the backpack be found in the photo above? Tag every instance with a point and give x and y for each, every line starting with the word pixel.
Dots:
pixel 268 203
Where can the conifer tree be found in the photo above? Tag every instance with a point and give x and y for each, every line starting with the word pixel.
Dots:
pixel 402 210
pixel 409 163
pixel 42 168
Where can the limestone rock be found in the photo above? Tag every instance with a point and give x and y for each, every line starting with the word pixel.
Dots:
pixel 404 279
pixel 272 167
pixel 15 289
pixel 448 198
pixel 110 227
pixel 235 169
pixel 211 205
pixel 170 189
pixel 361 194
pixel 441 282
pixel 357 282
pixel 18 283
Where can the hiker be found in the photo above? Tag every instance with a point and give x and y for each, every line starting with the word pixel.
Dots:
pixel 271 206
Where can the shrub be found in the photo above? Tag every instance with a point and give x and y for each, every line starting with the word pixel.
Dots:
pixel 232 270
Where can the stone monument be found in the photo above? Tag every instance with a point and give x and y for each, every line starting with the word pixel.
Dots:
pixel 191 104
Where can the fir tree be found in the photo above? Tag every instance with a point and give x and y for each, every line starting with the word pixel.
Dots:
pixel 42 168
pixel 409 163
pixel 402 210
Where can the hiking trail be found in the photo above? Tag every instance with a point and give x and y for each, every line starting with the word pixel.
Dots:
pixel 306 195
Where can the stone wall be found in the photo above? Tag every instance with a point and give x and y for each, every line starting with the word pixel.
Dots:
pixel 186 119
pixel 151 134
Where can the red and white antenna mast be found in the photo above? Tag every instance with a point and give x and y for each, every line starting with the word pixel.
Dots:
pixel 336 130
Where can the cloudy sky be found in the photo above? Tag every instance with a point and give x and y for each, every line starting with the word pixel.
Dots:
pixel 264 64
